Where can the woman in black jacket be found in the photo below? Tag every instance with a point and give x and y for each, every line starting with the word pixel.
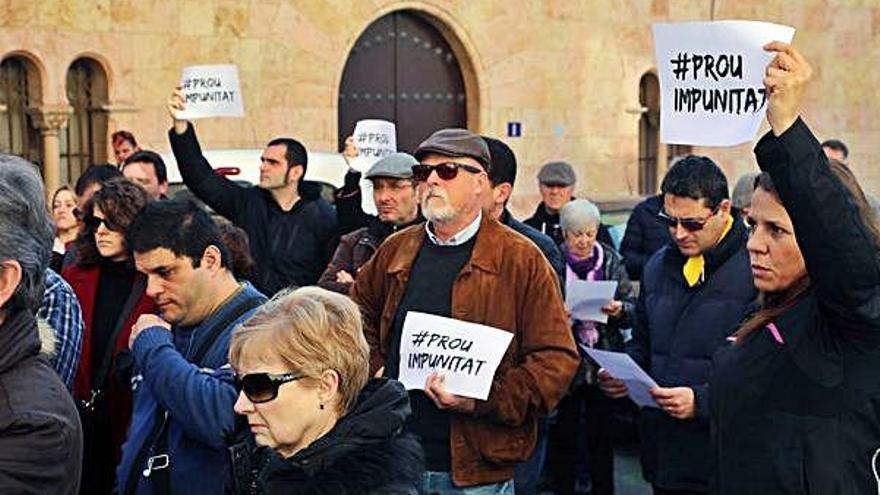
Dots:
pixel 301 365
pixel 795 398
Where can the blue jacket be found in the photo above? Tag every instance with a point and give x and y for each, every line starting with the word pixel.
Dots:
pixel 644 236
pixel 676 334
pixel 199 401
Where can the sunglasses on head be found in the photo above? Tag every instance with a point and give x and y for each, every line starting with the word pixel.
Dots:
pixel 446 170
pixel 263 387
pixel 94 222
pixel 689 224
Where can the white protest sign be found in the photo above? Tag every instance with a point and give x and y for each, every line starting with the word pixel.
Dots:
pixel 585 298
pixel 374 139
pixel 711 89
pixel 466 353
pixel 211 91
pixel 622 367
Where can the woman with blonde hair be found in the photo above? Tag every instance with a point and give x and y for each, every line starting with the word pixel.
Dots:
pixel 301 364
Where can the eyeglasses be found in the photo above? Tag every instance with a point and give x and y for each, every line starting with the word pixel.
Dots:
pixel 689 224
pixel 93 222
pixel 263 387
pixel 446 170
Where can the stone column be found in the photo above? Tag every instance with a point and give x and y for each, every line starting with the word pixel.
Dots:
pixel 50 120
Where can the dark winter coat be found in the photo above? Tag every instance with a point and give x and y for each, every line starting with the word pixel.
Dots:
pixel 289 248
pixel 40 433
pixel 544 242
pixel 548 224
pixel 800 416
pixel 364 454
pixel 355 249
pixel 677 331
pixel 644 236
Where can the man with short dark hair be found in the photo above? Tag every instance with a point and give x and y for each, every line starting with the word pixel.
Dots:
pixel 147 169
pixel 693 295
pixel 463 264
pixel 183 391
pixel 836 149
pixel 40 433
pixel 291 229
pixel 92 179
pixel 394 193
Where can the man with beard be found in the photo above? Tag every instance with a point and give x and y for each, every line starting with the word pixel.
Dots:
pixel 463 264
pixel 291 229
pixel 394 193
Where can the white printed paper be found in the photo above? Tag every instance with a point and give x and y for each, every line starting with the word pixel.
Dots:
pixel 622 367
pixel 585 298
pixel 466 353
pixel 374 139
pixel 711 79
pixel 211 91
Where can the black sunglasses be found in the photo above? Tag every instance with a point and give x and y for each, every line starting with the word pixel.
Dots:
pixel 93 222
pixel 446 170
pixel 689 224
pixel 263 387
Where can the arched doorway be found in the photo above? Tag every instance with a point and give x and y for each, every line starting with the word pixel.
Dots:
pixel 19 95
pixel 402 69
pixel 649 133
pixel 84 141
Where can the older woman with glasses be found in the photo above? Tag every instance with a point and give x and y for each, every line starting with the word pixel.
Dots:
pixel 301 366
pixel 583 425
pixel 795 399
pixel 112 295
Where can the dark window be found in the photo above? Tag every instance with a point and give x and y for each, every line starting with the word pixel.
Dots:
pixel 649 133
pixel 84 141
pixel 18 135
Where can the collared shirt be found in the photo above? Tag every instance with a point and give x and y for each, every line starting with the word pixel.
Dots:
pixel 460 237
pixel 60 309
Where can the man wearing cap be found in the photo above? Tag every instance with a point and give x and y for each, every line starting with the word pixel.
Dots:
pixel 556 183
pixel 394 193
pixel 465 265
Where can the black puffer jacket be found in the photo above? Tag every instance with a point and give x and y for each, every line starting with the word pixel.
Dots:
pixel 364 454
pixel 644 236
pixel 40 433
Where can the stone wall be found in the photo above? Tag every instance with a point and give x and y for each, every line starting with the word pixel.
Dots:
pixel 567 70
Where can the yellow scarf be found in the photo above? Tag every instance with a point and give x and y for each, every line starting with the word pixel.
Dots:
pixel 695 266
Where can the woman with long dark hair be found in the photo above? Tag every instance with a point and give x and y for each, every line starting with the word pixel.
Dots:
pixel 794 399
pixel 112 295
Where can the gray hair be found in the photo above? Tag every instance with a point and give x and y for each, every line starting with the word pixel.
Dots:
pixel 26 231
pixel 578 215
pixel 742 192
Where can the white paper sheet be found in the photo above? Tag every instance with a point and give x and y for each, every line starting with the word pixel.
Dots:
pixel 211 91
pixel 711 89
pixel 467 353
pixel 585 298
pixel 622 367
pixel 374 139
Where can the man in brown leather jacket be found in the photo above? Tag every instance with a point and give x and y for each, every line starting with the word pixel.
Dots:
pixel 464 265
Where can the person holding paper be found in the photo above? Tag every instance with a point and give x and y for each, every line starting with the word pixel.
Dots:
pixel 588 259
pixel 464 265
pixel 302 375
pixel 394 193
pixel 291 229
pixel 693 294
pixel 795 399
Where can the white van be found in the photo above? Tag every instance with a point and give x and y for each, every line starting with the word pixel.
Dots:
pixel 243 166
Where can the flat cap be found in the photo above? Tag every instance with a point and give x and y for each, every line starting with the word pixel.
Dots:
pixel 396 165
pixel 456 143
pixel 556 174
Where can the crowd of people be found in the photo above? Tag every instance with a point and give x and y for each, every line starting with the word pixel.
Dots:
pixel 151 345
